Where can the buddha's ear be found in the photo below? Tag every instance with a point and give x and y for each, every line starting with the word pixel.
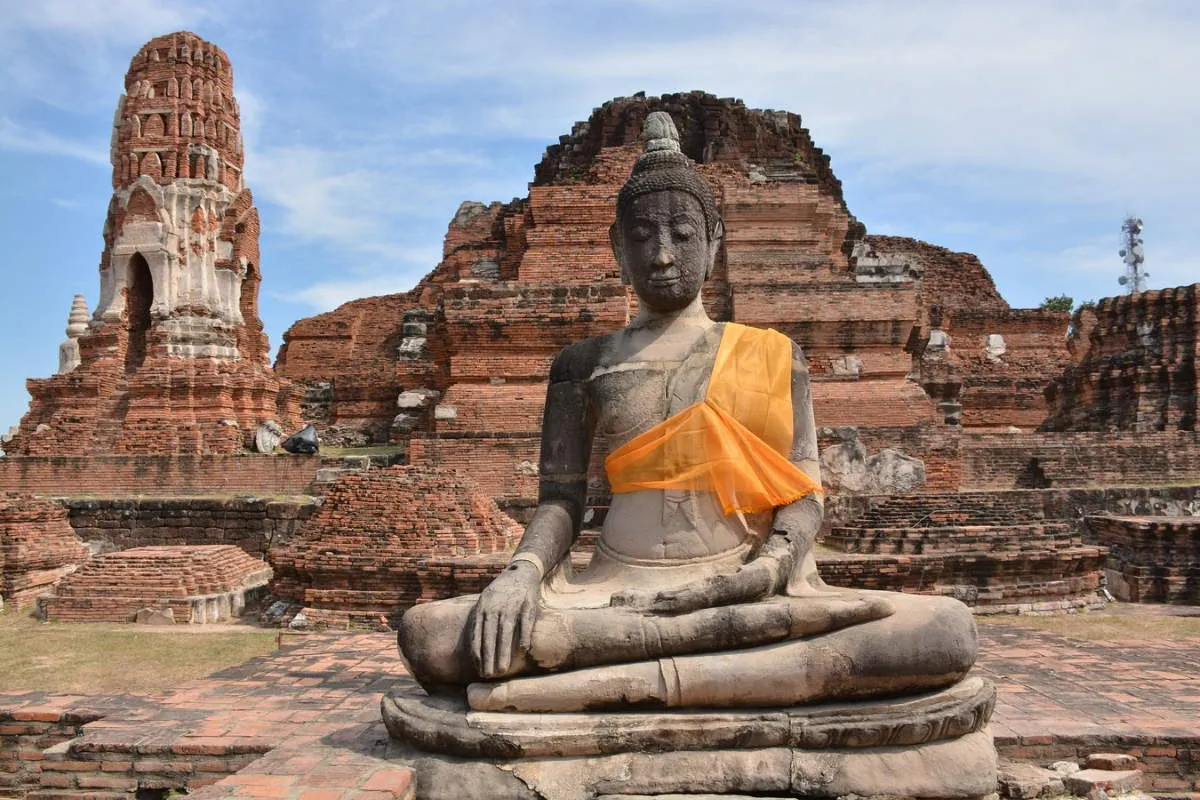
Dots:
pixel 714 246
pixel 618 248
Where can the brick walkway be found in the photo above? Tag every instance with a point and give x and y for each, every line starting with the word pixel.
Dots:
pixel 313 709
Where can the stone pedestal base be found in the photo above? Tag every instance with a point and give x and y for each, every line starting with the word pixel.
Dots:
pixel 930 746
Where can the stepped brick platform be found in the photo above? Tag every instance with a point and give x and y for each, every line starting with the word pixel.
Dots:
pixel 199 584
pixel 37 548
pixel 1135 365
pixel 385 540
pixel 993 551
pixel 1151 559
pixel 174 359
pixel 313 710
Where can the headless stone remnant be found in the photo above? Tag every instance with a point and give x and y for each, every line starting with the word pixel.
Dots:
pixel 268 436
pixel 700 631
pixel 303 441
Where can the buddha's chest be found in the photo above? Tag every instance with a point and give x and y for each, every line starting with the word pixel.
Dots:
pixel 636 396
pixel 639 384
pixel 630 399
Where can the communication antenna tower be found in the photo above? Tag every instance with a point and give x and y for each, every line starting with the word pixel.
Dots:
pixel 1133 254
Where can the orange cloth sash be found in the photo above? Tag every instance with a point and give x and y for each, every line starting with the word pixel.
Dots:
pixel 735 442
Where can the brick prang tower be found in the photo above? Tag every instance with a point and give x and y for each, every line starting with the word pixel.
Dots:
pixel 175 359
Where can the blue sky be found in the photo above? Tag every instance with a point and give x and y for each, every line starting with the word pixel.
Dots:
pixel 1022 131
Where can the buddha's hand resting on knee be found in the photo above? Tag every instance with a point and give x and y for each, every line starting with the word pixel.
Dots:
pixel 757 579
pixel 504 618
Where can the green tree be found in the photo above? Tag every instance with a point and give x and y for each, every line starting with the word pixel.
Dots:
pixel 1060 303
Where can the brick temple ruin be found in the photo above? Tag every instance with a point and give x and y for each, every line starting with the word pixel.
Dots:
pixel 1012 458
pixel 174 359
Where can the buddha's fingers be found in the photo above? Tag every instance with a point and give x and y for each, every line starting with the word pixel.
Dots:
pixel 477 640
pixel 525 626
pixel 504 646
pixel 488 647
pixel 635 599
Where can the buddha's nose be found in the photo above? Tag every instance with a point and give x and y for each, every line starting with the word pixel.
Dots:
pixel 664 256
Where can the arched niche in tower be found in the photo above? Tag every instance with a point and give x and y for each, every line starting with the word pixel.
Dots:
pixel 154 126
pixel 139 295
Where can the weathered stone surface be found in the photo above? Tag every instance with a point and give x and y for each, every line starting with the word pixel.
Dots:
pixel 1096 784
pixel 68 351
pixel 302 442
pixel 175 347
pixel 955 768
pixel 446 725
pixel 155 616
pixel 268 436
pixel 1021 781
pixel 847 469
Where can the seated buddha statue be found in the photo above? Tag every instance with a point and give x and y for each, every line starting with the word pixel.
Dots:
pixel 702 590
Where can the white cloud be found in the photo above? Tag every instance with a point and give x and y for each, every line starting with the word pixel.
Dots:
pixel 328 295
pixel 27 140
pixel 117 19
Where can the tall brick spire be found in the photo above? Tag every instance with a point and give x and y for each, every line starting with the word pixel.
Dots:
pixel 178 117
pixel 175 359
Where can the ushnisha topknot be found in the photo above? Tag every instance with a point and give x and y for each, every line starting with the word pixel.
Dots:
pixel 662 167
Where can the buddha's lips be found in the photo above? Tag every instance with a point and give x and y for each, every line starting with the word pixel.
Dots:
pixel 665 280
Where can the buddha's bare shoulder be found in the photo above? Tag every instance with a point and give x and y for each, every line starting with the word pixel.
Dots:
pixel 578 360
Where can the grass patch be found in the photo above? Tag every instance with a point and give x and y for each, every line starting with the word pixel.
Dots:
pixel 98 658
pixel 1105 627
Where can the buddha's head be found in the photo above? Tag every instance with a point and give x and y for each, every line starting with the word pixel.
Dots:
pixel 668 231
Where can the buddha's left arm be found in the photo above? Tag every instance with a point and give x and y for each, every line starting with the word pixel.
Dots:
pixel 796 525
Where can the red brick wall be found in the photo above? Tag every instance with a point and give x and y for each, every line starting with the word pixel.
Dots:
pixel 37 548
pixel 1137 366
pixel 1007 461
pixel 132 475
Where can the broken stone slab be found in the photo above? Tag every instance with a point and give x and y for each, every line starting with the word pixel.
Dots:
pixel 1111 761
pixel 155 616
pixel 1097 784
pixel 1022 781
pixel 417 398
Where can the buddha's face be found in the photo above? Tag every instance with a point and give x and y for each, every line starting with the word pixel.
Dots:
pixel 664 249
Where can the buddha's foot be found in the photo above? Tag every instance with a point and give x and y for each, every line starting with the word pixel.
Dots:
pixel 565 640
pixel 931 646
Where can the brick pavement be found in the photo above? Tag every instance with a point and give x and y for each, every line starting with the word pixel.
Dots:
pixel 313 709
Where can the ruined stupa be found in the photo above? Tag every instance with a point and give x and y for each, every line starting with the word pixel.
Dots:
pixel 174 358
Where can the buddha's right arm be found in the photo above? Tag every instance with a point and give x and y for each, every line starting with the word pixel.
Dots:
pixel 567 429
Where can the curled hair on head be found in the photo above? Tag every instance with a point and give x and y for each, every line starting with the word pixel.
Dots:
pixel 663 167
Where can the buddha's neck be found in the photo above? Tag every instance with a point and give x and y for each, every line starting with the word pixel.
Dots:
pixel 693 314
